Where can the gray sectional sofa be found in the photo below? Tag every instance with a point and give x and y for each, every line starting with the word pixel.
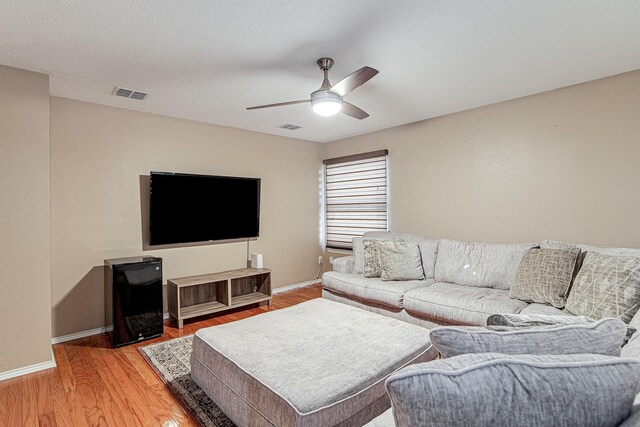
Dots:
pixel 464 283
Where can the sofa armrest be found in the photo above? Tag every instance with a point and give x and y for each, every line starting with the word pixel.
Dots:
pixel 343 264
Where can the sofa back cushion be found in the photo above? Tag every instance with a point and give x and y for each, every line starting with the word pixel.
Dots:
pixel 490 389
pixel 428 247
pixel 484 265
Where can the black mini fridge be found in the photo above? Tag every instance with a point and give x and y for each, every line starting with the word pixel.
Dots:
pixel 133 299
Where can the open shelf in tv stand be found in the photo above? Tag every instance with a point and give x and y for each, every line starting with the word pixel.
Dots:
pixel 194 296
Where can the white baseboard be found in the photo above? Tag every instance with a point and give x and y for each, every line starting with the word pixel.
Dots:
pixel 78 335
pixel 88 333
pixel 27 370
pixel 283 289
pixel 97 331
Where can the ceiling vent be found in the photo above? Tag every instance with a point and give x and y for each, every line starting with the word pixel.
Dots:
pixel 289 126
pixel 128 93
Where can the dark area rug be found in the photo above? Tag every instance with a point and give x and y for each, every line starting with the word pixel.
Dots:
pixel 171 361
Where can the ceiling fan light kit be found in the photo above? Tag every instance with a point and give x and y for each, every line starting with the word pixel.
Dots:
pixel 326 103
pixel 327 100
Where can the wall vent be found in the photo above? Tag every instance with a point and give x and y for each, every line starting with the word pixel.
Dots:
pixel 289 126
pixel 128 93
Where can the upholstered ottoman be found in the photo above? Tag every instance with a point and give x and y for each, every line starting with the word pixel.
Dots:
pixel 319 363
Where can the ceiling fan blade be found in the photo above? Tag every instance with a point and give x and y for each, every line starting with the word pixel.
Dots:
pixel 353 80
pixel 279 104
pixel 353 111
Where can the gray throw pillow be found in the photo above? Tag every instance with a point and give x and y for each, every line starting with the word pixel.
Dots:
pixel 533 320
pixel 400 260
pixel 357 246
pixel 528 320
pixel 604 337
pixel 371 258
pixel 606 286
pixel 482 390
pixel 544 276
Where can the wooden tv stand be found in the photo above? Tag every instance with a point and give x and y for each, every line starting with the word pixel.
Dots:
pixel 210 293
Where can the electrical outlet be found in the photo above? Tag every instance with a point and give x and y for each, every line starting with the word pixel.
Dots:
pixel 320 260
pixel 330 260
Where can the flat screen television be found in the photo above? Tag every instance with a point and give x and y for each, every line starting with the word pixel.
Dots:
pixel 186 208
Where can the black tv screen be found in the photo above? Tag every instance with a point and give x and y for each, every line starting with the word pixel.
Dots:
pixel 185 208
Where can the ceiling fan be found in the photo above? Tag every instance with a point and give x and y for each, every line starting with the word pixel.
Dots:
pixel 327 101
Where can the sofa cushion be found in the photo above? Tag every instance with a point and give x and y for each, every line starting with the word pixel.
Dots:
pixel 602 337
pixel 606 286
pixel 370 289
pixel 490 389
pixel 459 304
pixel 485 265
pixel 547 309
pixel 544 276
pixel 400 260
pixel 428 247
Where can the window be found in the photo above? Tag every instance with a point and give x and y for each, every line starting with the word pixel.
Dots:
pixel 355 197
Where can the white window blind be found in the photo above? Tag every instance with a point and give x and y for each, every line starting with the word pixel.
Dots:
pixel 355 197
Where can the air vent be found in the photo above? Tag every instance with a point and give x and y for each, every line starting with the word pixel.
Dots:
pixel 123 92
pixel 289 126
pixel 128 93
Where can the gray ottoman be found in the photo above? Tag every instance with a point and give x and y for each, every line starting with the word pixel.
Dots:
pixel 319 363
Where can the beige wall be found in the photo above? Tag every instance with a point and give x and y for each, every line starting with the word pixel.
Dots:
pixel 97 156
pixel 559 165
pixel 25 280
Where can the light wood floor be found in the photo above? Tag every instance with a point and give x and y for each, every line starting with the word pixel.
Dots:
pixel 95 385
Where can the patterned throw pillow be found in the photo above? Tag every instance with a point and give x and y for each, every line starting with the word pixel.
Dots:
pixel 606 286
pixel 400 260
pixel 544 276
pixel 371 266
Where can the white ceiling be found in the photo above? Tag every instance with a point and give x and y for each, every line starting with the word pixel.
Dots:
pixel 207 60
